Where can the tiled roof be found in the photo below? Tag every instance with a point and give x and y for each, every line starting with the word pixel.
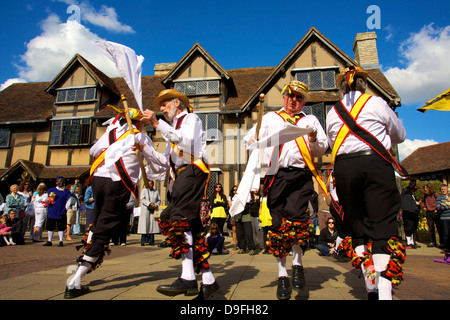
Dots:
pixel 428 159
pixel 28 98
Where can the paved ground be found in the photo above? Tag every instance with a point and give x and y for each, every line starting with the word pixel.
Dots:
pixel 132 272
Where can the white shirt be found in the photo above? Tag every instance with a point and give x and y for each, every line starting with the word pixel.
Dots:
pixel 156 160
pixel 190 138
pixel 290 154
pixel 376 117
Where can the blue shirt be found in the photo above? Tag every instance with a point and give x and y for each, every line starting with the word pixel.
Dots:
pixel 87 196
pixel 58 209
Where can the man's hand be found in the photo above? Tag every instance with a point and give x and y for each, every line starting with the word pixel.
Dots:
pixel 251 140
pixel 149 117
pixel 312 135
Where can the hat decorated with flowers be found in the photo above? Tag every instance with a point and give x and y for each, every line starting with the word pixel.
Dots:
pixel 135 114
pixel 349 74
pixel 298 87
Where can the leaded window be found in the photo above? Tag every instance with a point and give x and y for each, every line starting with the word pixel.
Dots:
pixel 199 87
pixel 318 79
pixel 210 124
pixel 70 132
pixel 75 95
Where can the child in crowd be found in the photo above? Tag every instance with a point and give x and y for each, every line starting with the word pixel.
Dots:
pixel 5 227
pixel 215 240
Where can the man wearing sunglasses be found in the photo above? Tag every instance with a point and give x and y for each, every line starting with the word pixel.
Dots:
pixel 289 182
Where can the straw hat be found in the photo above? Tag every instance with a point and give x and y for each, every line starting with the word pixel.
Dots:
pixel 171 94
pixel 297 87
pixel 349 74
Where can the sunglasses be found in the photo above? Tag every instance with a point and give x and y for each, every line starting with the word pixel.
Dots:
pixel 297 97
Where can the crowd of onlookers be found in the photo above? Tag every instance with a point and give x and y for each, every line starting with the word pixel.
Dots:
pixel 25 210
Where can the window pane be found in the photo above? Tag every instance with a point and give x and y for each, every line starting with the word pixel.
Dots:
pixel 303 77
pixel 213 86
pixel 202 87
pixel 328 79
pixel 307 109
pixel 212 132
pixel 190 88
pixel 179 86
pixel 213 180
pixel 56 133
pixel 65 132
pixel 4 137
pixel 319 112
pixel 61 96
pixel 70 95
pixel 75 132
pixel 315 78
pixel 203 118
pixel 90 94
pixel 80 94
pixel 85 131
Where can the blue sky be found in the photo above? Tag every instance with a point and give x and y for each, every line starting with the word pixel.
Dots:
pixel 413 41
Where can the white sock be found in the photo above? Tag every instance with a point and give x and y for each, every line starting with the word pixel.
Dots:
pixel 297 253
pixel 282 271
pixel 187 259
pixel 338 242
pixel 74 281
pixel 207 276
pixel 370 287
pixel 380 262
pixel 61 235
pixel 50 236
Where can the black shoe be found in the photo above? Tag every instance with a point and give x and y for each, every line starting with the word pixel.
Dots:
pixel 47 244
pixel 284 289
pixel 207 291
pixel 298 277
pixel 60 244
pixel 179 286
pixel 73 293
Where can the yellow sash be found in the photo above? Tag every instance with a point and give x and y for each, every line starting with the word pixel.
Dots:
pixel 306 154
pixel 343 132
pixel 99 160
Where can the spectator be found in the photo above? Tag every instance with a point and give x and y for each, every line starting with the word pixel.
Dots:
pixel 76 228
pixel 90 204
pixel 255 205
pixel 231 223
pixel 266 221
pixel 14 200
pixel 244 230
pixel 443 206
pixel 205 214
pixel 16 227
pixel 148 226
pixel 410 213
pixel 215 240
pixel 327 238
pixel 428 203
pixel 26 192
pixel 219 207
pixel 56 211
pixel 5 230
pixel 120 234
pixel 39 201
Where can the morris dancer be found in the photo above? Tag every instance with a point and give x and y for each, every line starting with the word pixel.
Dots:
pixel 291 186
pixel 189 176
pixel 112 187
pixel 365 180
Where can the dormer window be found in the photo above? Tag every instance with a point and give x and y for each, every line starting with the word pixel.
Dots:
pixel 76 94
pixel 322 78
pixel 198 87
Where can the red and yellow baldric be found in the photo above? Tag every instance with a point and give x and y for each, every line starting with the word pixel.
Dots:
pixel 344 131
pixel 120 167
pixel 304 151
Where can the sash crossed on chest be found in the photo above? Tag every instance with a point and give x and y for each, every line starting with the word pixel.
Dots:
pixel 303 149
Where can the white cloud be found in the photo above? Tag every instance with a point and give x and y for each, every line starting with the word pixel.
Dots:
pixel 49 52
pixel 9 82
pixel 427 71
pixel 409 146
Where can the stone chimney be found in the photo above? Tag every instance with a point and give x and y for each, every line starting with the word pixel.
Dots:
pixel 365 49
pixel 162 69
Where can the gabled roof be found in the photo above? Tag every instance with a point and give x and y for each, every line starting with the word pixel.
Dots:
pixel 102 79
pixel 25 102
pixel 428 159
pixel 196 49
pixel 375 78
pixel 33 168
